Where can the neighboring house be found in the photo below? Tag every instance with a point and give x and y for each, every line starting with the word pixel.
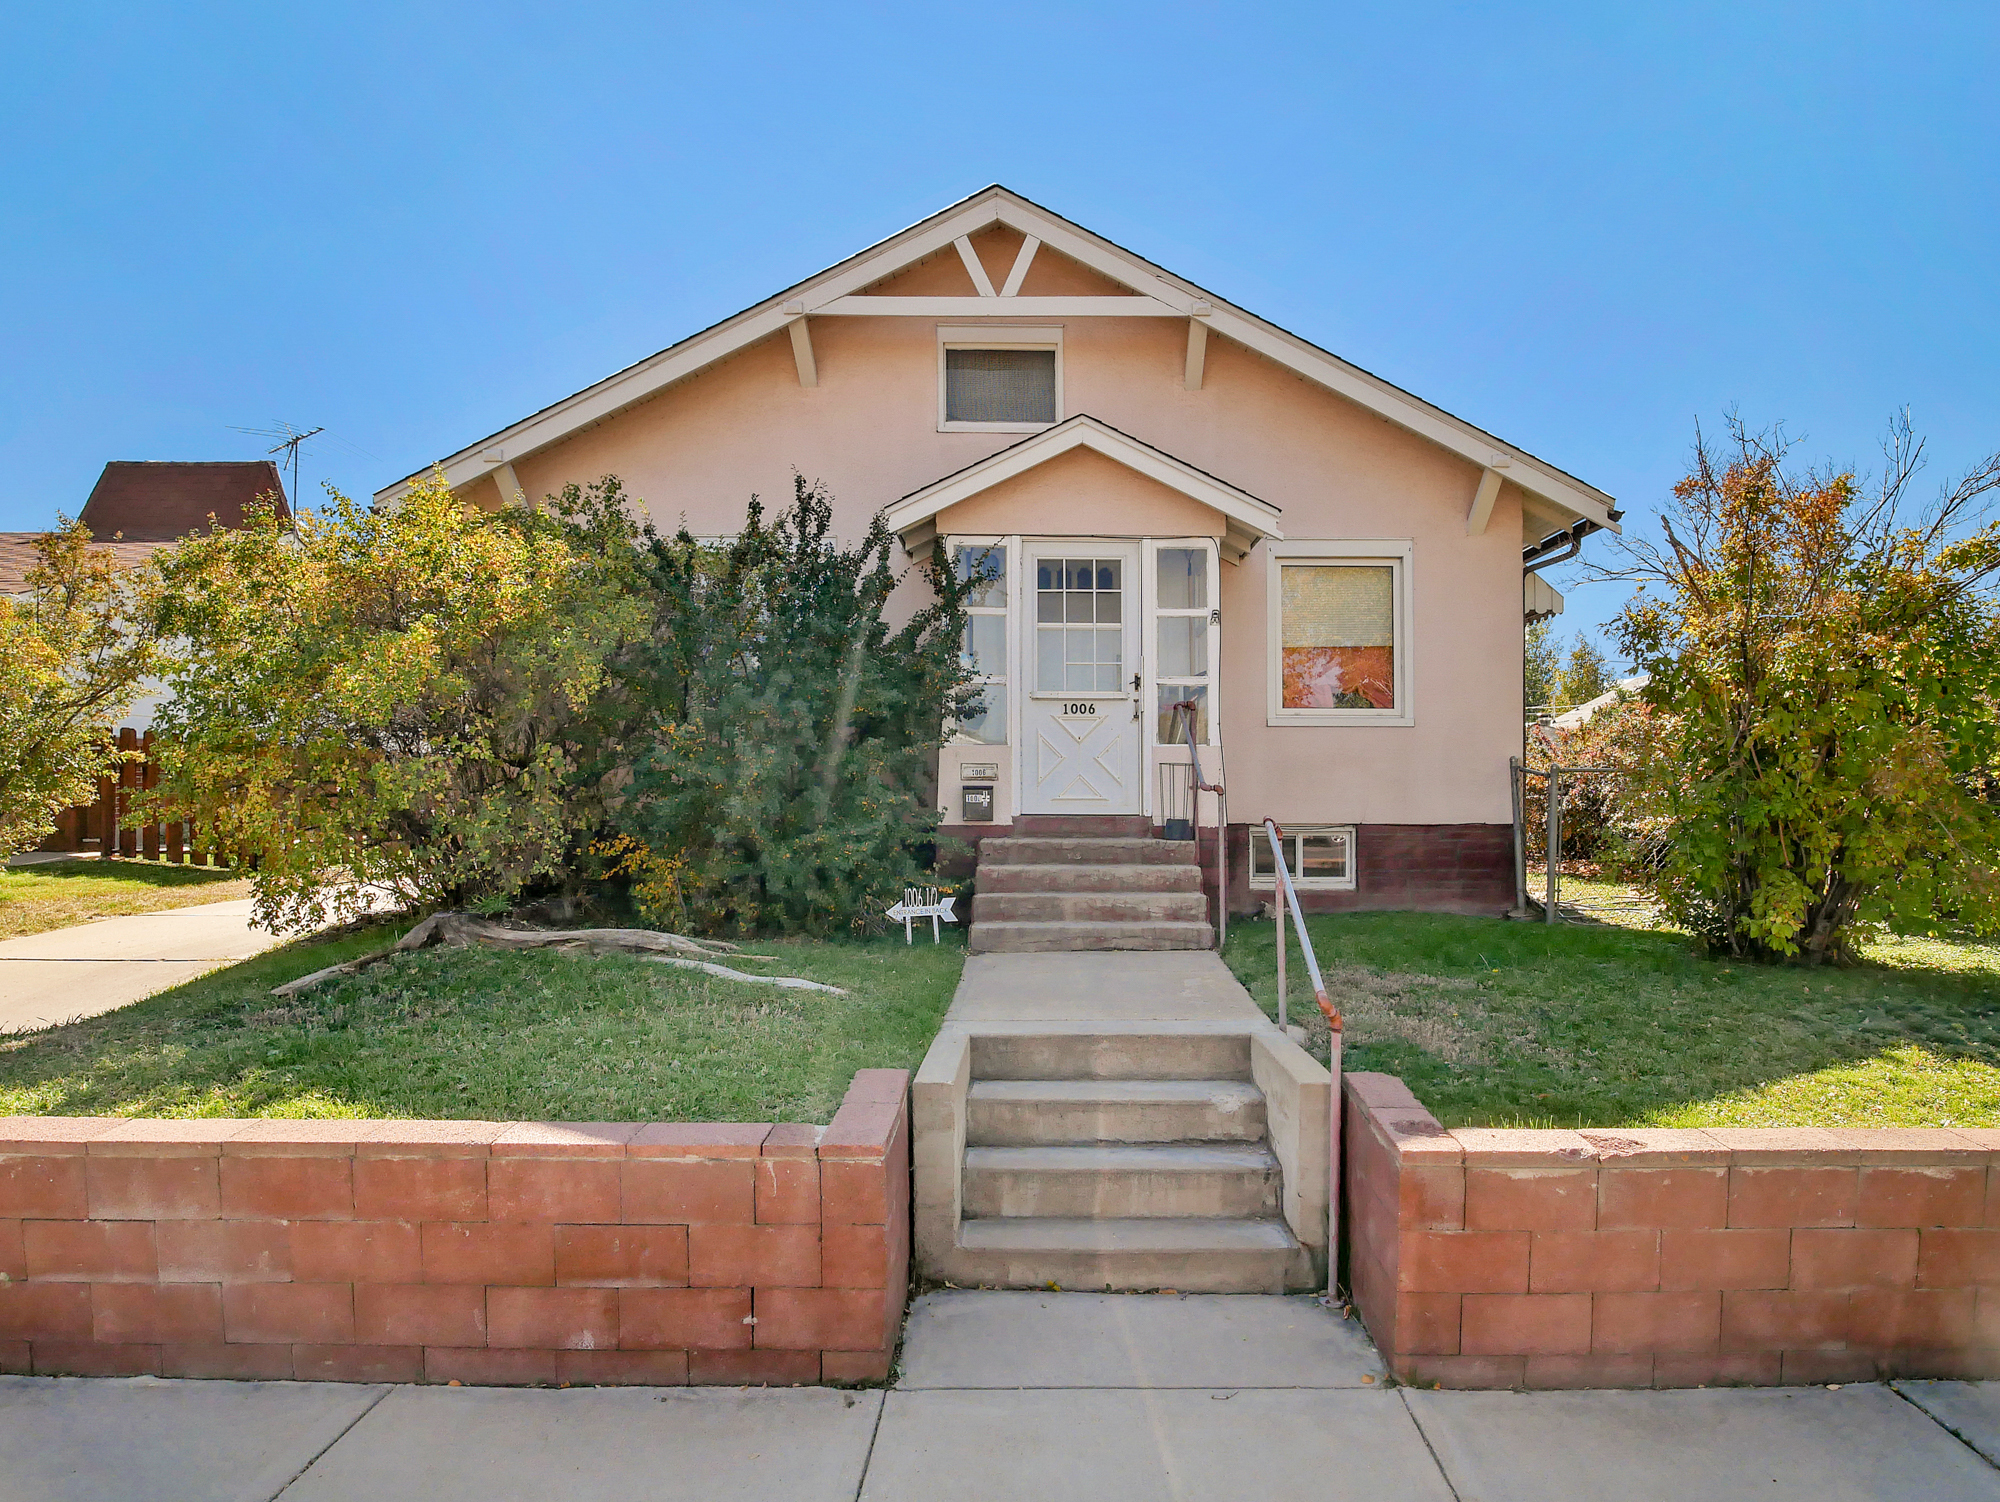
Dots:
pixel 1181 501
pixel 138 507
pixel 1590 709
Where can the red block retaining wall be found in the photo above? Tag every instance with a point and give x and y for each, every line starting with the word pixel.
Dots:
pixel 476 1251
pixel 1639 1258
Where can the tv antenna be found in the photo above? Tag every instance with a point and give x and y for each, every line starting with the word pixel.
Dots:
pixel 289 438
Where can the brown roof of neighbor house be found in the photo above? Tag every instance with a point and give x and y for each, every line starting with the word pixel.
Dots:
pixel 137 507
pixel 17 556
pixel 159 500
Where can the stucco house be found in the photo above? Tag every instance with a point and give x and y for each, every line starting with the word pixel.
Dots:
pixel 1180 502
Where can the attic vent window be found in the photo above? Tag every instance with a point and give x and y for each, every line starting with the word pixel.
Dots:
pixel 1001 382
pixel 1000 385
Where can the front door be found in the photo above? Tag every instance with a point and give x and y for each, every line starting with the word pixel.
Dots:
pixel 1080 728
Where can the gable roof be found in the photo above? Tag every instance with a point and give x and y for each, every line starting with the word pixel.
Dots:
pixel 1249 517
pixel 1158 291
pixel 161 500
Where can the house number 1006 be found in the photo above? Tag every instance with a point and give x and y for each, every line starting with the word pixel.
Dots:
pixel 1069 709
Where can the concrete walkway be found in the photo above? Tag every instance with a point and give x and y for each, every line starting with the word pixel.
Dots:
pixel 1098 986
pixel 1059 1397
pixel 70 973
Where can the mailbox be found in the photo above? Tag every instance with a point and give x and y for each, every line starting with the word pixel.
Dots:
pixel 977 802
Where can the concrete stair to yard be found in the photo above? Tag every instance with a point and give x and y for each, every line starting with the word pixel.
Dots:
pixel 1087 882
pixel 1115 1160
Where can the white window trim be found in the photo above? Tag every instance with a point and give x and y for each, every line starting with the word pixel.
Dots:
pixel 1293 834
pixel 1394 551
pixel 997 336
pixel 1005 611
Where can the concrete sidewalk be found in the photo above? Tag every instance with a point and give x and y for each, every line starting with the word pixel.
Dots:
pixel 70 973
pixel 1006 1396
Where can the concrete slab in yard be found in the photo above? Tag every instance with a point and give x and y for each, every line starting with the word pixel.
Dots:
pixel 1147 1446
pixel 430 1444
pixel 1106 986
pixel 1971 1410
pixel 971 1339
pixel 1776 1444
pixel 140 1438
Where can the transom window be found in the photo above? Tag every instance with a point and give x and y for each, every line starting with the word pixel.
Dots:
pixel 1321 858
pixel 1079 638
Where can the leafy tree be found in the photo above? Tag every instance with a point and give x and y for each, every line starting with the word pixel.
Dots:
pixel 1826 665
pixel 390 694
pixel 72 656
pixel 770 743
pixel 1583 675
pixel 1541 666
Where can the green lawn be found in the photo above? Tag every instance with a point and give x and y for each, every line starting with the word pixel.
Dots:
pixel 1618 1023
pixel 482 1034
pixel 56 894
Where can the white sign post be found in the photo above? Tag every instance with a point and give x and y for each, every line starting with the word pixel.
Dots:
pixel 922 902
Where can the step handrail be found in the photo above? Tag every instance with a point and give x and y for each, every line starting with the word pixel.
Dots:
pixel 1184 713
pixel 1291 897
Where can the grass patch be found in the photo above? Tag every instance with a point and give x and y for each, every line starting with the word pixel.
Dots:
pixel 1616 1023
pixel 483 1034
pixel 57 894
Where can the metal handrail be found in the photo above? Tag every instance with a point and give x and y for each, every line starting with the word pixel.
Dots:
pixel 1331 1012
pixel 1184 713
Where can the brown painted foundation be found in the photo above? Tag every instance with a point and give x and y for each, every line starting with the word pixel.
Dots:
pixel 1439 868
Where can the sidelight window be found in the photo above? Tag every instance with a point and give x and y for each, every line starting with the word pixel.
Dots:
pixel 984 650
pixel 1183 619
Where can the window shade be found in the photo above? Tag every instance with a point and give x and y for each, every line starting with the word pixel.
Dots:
pixel 1339 648
pixel 1000 385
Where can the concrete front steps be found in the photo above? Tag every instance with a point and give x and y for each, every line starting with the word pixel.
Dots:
pixel 1087 882
pixel 1116 1160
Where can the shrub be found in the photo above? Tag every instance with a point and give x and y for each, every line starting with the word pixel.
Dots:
pixel 770 743
pixel 1825 667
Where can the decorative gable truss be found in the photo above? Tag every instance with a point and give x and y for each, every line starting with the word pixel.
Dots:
pixel 1554 499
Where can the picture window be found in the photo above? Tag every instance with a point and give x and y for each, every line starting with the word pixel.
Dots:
pixel 1339 637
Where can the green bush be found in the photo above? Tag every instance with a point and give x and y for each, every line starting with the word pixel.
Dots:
pixel 1825 666
pixel 766 752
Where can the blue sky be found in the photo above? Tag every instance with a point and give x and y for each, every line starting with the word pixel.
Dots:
pixel 1580 226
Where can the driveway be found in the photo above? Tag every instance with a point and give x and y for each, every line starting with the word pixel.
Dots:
pixel 70 973
pixel 1058 1397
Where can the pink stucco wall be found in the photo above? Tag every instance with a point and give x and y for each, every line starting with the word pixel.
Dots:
pixel 696 452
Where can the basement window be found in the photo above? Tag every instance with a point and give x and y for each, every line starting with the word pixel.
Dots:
pixel 1321 857
pixel 999 380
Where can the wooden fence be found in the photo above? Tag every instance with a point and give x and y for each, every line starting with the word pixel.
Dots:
pixel 99 826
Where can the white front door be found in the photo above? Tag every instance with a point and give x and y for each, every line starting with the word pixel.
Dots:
pixel 1080 728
